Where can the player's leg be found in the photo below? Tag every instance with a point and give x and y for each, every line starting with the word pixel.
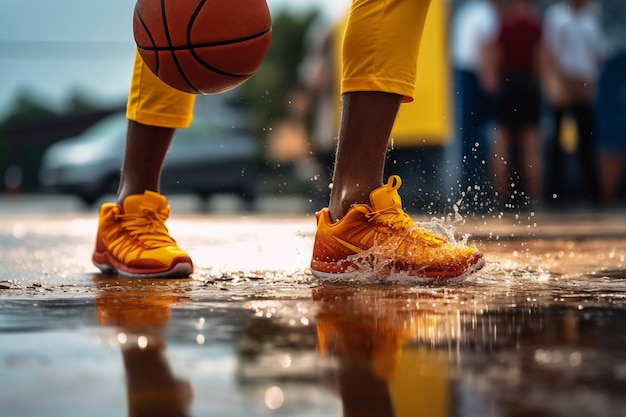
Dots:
pixel 361 151
pixel 379 67
pixel 132 238
pixel 365 228
pixel 146 148
pixel 154 111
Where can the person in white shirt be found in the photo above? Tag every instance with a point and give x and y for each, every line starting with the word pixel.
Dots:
pixel 474 27
pixel 573 51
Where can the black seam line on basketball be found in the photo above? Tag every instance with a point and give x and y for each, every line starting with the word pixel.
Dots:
pixel 203 45
pixel 197 57
pixel 150 36
pixel 194 16
pixel 169 42
pixel 201 62
pixel 190 25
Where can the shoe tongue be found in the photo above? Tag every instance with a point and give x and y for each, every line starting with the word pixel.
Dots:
pixel 147 200
pixel 387 196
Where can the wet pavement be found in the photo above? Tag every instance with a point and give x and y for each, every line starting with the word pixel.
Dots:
pixel 540 331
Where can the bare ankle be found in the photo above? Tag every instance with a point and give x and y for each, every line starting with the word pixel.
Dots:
pixel 337 211
pixel 340 205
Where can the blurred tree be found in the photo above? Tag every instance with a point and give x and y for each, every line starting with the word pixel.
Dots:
pixel 32 125
pixel 266 92
pixel 27 107
pixel 80 102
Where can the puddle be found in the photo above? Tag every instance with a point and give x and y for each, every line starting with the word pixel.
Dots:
pixel 538 332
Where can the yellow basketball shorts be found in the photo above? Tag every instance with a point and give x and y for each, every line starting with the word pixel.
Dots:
pixel 152 102
pixel 381 45
pixel 380 49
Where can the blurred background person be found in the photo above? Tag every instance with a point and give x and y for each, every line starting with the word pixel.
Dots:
pixel 293 169
pixel 516 149
pixel 611 125
pixel 317 74
pixel 474 28
pixel 573 51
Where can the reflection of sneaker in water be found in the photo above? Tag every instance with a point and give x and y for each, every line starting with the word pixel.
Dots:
pixel 132 239
pixel 381 238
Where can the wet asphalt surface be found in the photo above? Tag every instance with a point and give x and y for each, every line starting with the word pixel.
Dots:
pixel 540 331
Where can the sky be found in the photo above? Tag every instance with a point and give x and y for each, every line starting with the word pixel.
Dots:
pixel 54 47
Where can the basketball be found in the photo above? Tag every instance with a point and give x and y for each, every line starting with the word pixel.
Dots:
pixel 202 46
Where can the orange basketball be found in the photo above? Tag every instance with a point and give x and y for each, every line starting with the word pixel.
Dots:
pixel 202 46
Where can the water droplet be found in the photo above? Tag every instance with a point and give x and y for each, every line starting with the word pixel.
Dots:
pixel 274 398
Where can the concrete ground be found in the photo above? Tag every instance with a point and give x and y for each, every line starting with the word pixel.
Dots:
pixel 540 331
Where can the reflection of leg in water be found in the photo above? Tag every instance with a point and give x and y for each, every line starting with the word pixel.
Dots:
pixel 377 374
pixel 363 394
pixel 152 389
pixel 141 314
pixel 365 358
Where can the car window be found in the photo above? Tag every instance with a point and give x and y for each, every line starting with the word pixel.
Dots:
pixel 209 127
pixel 106 128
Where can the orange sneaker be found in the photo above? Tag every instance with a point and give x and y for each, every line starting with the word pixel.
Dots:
pixel 132 239
pixel 382 239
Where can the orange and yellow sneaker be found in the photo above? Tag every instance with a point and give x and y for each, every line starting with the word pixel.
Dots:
pixel 382 239
pixel 133 240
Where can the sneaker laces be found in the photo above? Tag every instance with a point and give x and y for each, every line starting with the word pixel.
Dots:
pixel 391 217
pixel 398 219
pixel 147 227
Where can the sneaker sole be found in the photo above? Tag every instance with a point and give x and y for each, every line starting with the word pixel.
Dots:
pixel 110 266
pixel 398 276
